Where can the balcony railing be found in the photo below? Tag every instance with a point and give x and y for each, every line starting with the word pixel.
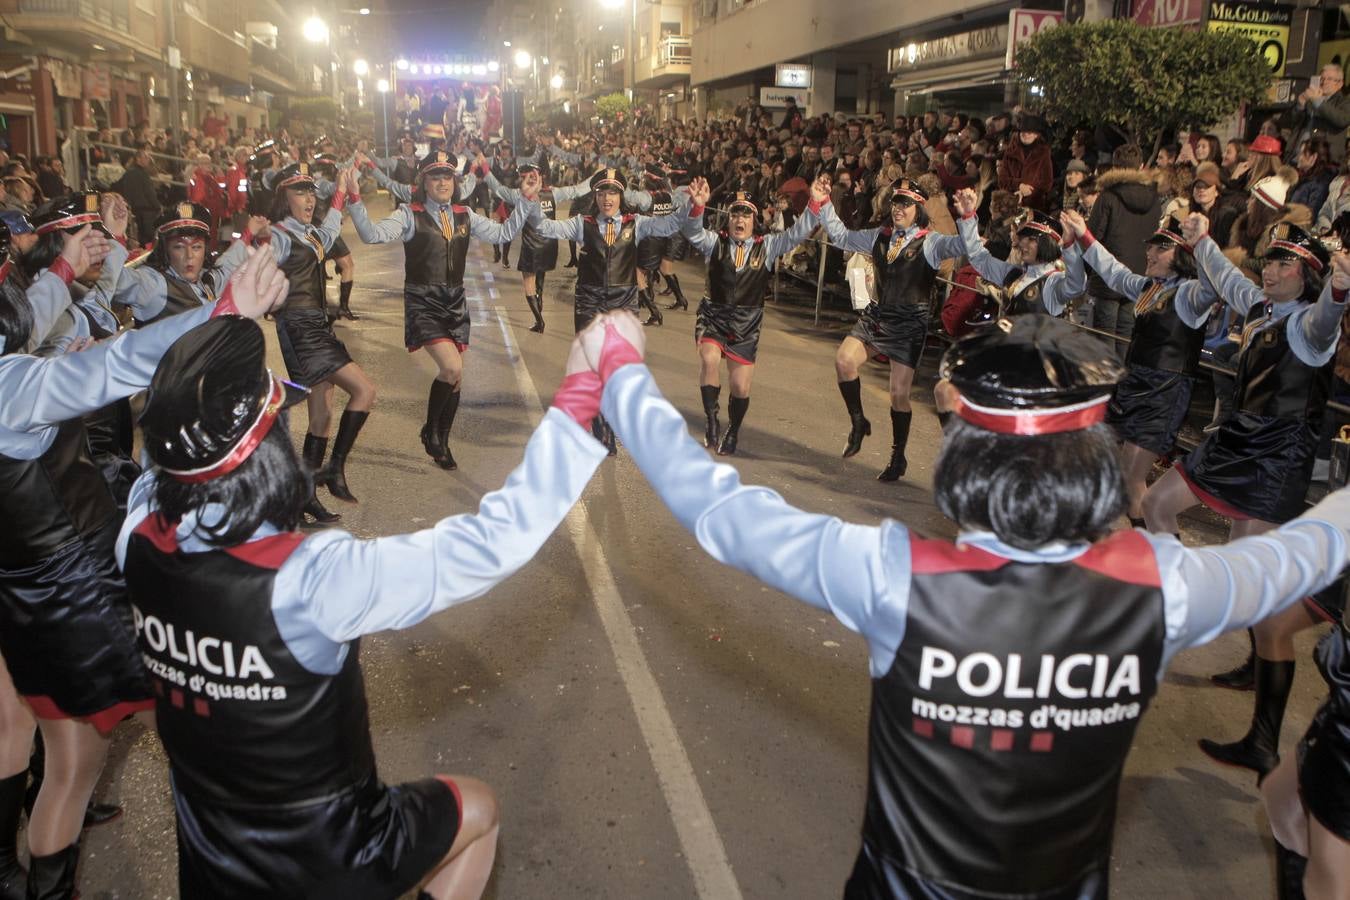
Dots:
pixel 675 50
pixel 112 14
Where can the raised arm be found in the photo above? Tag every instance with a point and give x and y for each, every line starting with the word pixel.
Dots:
pixel 990 269
pixel 1227 280
pixel 1314 330
pixel 500 232
pixel 1224 588
pixel 845 238
pixel 506 194
pixel 1061 287
pixel 819 559
pixel 397 189
pixel 49 294
pixel 398 226
pixel 1117 277
pixel 781 242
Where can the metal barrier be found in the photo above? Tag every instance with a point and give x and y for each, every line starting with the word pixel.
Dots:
pixel 83 143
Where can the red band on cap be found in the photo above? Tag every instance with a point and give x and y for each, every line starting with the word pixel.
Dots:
pixel 297 179
pixel 1034 421
pixel 247 444
pixel 917 198
pixel 1301 252
pixel 69 222
pixel 198 224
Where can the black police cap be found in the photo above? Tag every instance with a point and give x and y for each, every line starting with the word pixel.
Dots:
pixel 212 400
pixel 69 213
pixel 184 218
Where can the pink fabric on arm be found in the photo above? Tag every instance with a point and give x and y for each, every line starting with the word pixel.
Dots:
pixel 616 352
pixel 579 397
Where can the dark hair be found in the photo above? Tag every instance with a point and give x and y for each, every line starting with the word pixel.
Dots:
pixel 16 318
pixel 1183 264
pixel 271 487
pixel 44 252
pixel 1047 249
pixel 1127 156
pixel 1030 490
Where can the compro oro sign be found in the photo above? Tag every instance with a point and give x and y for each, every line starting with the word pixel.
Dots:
pixel 1025 24
pixel 1265 25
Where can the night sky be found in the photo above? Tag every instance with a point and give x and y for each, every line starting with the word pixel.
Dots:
pixel 429 26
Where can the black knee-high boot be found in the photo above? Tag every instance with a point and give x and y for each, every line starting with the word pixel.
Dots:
pixel 665 291
pixel 13 878
pixel 506 256
pixel 648 302
pixel 604 434
pixel 312 454
pixel 736 408
pixel 900 437
pixel 860 427
pixel 53 877
pixel 1241 677
pixel 680 302
pixel 443 426
pixel 571 263
pixel 1259 749
pixel 437 397
pixel 713 434
pixel 345 301
pixel 335 475
pixel 1290 868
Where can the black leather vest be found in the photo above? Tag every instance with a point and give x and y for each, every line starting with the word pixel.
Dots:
pixel 241 720
pixel 1161 339
pixel 602 265
pixel 1273 381
pixel 1028 299
pixel 304 269
pixel 50 501
pixel 728 287
pixel 429 258
pixel 651 249
pixel 998 736
pixel 908 280
pixel 179 298
pixel 404 172
pixel 530 236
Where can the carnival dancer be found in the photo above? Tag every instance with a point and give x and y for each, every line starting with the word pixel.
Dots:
pixel 676 248
pixel 313 354
pixel 538 254
pixel 324 168
pixel 1040 281
pixel 174 276
pixel 1067 626
pixel 651 251
pixel 402 167
pixel 607 266
pixel 906 256
pixel 435 232
pixel 740 262
pixel 65 624
pixel 269 735
pixel 1255 469
pixel 1171 306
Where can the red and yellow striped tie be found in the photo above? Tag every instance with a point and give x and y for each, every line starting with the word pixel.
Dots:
pixel 609 232
pixel 447 230
pixel 740 255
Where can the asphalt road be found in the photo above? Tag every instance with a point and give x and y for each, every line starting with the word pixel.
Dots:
pixel 657 725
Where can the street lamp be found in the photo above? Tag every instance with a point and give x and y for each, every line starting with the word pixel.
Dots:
pixel 556 82
pixel 315 31
pixel 383 87
pixel 402 65
pixel 361 68
pixel 522 59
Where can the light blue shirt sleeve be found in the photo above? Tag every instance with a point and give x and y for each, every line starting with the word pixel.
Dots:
pixel 48 297
pixel 36 392
pixel 1314 330
pixel 1117 277
pixel 143 290
pixel 563 229
pixel 280 242
pixel 466 185
pixel 570 192
pixel 492 232
pixel 657 226
pixel 639 200
pixel 1210 590
pixel 819 559
pixel 1062 287
pixel 990 269
pixel 397 189
pixel 844 238
pixel 506 194
pixel 780 242
pixel 1225 278
pixel 348 588
pixel 397 227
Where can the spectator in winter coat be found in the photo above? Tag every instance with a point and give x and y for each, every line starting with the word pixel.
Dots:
pixel 1337 202
pixel 1315 171
pixel 1323 110
pixel 1125 215
pixel 1205 198
pixel 1027 169
pixel 138 188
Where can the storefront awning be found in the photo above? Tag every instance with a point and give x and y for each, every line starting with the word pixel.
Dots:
pixel 974 73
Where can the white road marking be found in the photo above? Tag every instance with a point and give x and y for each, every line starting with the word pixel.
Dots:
pixel 699 839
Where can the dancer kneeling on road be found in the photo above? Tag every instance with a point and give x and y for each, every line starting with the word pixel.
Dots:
pixel 264 721
pixel 1063 632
